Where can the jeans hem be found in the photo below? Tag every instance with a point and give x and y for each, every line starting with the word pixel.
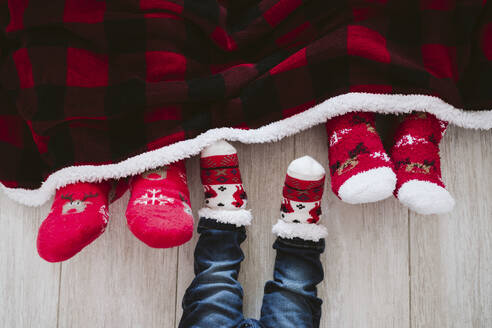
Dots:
pixel 302 243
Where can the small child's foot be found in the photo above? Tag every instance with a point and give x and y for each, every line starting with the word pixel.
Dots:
pixel 159 212
pixel 78 216
pixel 225 198
pixel 300 211
pixel 360 169
pixel 417 164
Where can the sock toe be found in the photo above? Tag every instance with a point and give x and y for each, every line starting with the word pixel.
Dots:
pixel 59 242
pixel 161 227
pixel 425 197
pixel 306 168
pixel 368 186
pixel 220 147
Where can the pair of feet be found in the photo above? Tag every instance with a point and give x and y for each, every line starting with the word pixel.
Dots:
pixel 158 213
pixel 362 172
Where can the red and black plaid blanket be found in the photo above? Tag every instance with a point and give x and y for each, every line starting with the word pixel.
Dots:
pixel 90 82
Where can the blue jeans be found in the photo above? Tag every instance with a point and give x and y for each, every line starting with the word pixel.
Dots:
pixel 215 297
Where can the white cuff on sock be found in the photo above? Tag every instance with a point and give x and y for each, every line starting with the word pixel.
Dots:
pixel 239 217
pixel 306 231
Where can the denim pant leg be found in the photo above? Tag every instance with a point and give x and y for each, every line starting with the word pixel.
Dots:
pixel 215 297
pixel 290 299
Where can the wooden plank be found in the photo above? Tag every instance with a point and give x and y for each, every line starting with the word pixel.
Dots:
pixel 451 255
pixel 366 258
pixel 28 285
pixel 117 281
pixel 262 169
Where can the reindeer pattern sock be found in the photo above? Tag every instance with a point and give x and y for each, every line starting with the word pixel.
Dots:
pixel 225 197
pixel 159 212
pixel 418 166
pixel 360 169
pixel 300 210
pixel 78 216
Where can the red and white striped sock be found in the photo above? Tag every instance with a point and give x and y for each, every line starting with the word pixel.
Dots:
pixel 225 197
pixel 418 165
pixel 360 169
pixel 78 216
pixel 159 212
pixel 300 211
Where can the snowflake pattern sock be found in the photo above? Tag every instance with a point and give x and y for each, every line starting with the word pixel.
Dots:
pixel 360 169
pixel 225 198
pixel 78 216
pixel 418 165
pixel 300 211
pixel 159 212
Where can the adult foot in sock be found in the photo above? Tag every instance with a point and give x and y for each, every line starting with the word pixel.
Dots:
pixel 78 216
pixel 159 212
pixel 360 169
pixel 418 165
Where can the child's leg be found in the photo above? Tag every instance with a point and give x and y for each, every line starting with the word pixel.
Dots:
pixel 418 165
pixel 360 169
pixel 290 299
pixel 215 297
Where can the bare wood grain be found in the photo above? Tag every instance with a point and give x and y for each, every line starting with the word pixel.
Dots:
pixel 452 254
pixel 29 286
pixel 366 259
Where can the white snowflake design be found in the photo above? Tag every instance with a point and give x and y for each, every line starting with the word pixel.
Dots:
pixel 443 128
pixel 105 213
pixel 337 136
pixel 409 140
pixel 381 155
pixel 152 197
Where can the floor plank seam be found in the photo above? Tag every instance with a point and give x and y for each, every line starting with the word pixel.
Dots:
pixel 176 289
pixel 409 268
pixel 59 297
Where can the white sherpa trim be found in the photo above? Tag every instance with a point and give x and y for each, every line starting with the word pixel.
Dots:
pixel 306 231
pixel 368 186
pixel 240 217
pixel 220 147
pixel 425 197
pixel 306 168
pixel 335 106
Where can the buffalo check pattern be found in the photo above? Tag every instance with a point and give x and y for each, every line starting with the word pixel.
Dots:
pixel 96 82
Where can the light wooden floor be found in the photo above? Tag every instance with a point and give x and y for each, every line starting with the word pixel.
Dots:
pixel 384 266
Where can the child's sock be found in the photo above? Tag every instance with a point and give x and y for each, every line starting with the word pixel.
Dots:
pixel 159 212
pixel 301 203
pixel 360 169
pixel 78 216
pixel 418 166
pixel 225 198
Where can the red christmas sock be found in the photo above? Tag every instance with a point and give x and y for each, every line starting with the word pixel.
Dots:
pixel 418 165
pixel 159 212
pixel 300 211
pixel 360 169
pixel 78 216
pixel 225 198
